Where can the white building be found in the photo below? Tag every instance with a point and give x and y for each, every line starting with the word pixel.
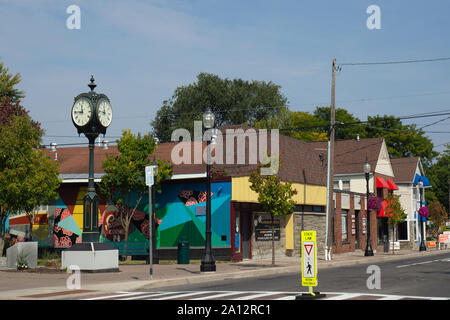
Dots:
pixel 408 172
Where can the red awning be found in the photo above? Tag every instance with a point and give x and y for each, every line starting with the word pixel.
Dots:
pixel 392 185
pixel 382 213
pixel 381 183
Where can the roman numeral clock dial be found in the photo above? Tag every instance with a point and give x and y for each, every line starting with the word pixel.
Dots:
pixel 104 112
pixel 82 112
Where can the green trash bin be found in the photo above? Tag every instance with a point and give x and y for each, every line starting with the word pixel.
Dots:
pixel 183 252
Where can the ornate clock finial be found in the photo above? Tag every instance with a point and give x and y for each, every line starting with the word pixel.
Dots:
pixel 92 85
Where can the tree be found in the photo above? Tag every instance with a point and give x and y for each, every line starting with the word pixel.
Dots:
pixel 233 102
pixel 123 183
pixel 438 215
pixel 396 214
pixel 345 123
pixel 28 178
pixel 296 124
pixel 274 195
pixel 9 109
pixel 439 176
pixel 8 83
pixel 401 140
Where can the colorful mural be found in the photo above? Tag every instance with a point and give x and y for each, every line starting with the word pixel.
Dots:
pixel 181 208
pixel 180 215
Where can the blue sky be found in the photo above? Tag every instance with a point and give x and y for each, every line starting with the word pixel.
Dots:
pixel 140 51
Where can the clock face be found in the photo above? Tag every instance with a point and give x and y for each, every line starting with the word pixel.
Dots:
pixel 104 112
pixel 82 112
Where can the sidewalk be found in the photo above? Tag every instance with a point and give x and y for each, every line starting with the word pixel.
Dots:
pixel 22 285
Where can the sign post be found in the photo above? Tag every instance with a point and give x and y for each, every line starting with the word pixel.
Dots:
pixel 149 181
pixel 309 265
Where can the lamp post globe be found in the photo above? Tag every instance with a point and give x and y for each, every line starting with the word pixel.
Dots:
pixel 91 115
pixel 208 263
pixel 368 252
pixel 208 119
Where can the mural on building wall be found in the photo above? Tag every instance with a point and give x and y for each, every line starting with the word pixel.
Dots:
pixel 113 231
pixel 18 226
pixel 180 215
pixel 181 209
pixel 68 221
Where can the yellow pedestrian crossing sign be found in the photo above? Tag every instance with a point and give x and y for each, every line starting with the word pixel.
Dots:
pixel 309 259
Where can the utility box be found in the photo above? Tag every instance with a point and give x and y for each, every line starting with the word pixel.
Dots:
pixel 22 252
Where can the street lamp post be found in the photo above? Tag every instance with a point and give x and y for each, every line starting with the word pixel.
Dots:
pixel 369 251
pixel 422 247
pixel 208 263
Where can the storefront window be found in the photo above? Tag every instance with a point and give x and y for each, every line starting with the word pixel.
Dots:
pixel 403 231
pixel 344 221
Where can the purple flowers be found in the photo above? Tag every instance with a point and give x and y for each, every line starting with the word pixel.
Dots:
pixel 374 203
pixel 424 212
pixel 217 173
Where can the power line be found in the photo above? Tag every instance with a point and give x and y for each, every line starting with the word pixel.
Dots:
pixel 392 62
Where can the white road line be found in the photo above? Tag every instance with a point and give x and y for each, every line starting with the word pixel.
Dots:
pixel 391 298
pixel 183 295
pixel 145 295
pixel 254 296
pixel 414 264
pixel 115 296
pixel 287 298
pixel 344 296
pixel 219 295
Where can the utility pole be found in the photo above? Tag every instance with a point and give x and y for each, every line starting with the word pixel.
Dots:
pixel 330 169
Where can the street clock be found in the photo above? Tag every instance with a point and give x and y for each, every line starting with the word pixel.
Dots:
pixel 91 112
pixel 91 115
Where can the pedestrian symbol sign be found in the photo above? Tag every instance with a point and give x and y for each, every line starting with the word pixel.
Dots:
pixel 309 259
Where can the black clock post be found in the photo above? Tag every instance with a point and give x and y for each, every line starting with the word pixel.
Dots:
pixel 91 115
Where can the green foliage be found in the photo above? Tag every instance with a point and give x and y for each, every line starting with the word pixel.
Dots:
pixel 438 215
pixel 401 140
pixel 233 102
pixel 274 195
pixel 28 178
pixel 439 176
pixel 394 210
pixel 22 262
pixel 8 83
pixel 296 124
pixel 342 118
pixel 124 174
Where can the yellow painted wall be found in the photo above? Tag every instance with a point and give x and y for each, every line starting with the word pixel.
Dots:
pixel 290 232
pixel 315 195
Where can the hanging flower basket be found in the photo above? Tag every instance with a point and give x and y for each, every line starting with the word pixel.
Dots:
pixel 217 173
pixel 424 212
pixel 374 203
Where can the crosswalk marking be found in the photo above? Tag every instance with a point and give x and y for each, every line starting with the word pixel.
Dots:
pixel 116 296
pixel 145 295
pixel 246 295
pixel 182 295
pixel 345 296
pixel 219 295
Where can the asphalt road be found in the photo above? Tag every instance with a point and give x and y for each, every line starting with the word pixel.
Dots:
pixel 423 276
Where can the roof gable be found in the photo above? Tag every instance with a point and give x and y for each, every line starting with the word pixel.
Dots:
pixel 383 165
pixel 406 168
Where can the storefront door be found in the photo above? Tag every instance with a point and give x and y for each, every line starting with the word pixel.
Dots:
pixel 246 234
pixel 383 233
